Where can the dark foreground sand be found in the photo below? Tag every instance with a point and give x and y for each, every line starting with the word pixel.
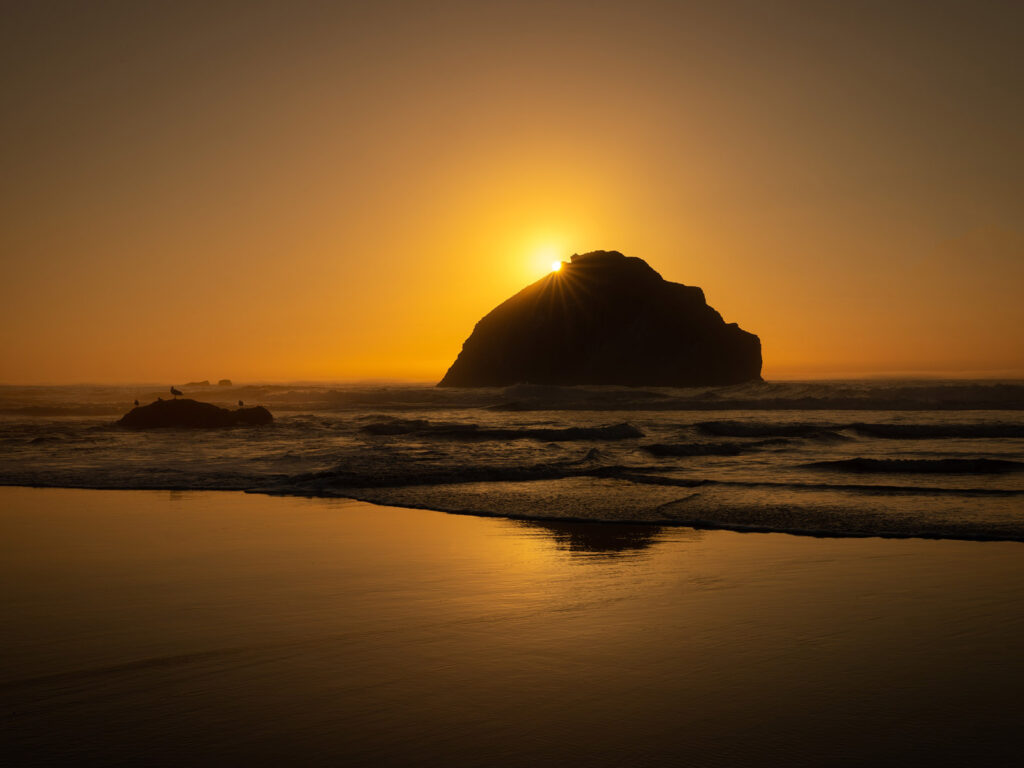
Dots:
pixel 148 628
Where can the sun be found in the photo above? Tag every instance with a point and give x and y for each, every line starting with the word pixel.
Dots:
pixel 546 257
pixel 547 254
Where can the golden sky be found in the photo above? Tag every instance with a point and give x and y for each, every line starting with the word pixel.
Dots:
pixel 286 191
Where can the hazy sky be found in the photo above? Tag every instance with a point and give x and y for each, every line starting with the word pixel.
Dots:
pixel 341 190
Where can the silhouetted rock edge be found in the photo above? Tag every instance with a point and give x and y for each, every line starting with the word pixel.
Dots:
pixel 606 318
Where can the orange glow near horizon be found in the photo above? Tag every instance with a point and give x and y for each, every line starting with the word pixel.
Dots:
pixel 325 193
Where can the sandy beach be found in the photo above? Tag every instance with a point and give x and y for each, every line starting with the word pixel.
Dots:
pixel 156 628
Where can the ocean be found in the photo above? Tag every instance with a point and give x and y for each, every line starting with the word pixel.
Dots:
pixel 933 459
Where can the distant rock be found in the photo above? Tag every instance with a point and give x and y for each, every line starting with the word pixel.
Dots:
pixel 203 383
pixel 192 414
pixel 606 318
pixel 224 383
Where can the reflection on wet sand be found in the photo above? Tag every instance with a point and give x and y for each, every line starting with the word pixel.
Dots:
pixel 596 539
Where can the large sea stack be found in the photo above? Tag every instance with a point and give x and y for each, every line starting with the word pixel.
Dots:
pixel 605 318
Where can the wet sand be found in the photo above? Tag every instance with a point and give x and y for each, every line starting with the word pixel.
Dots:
pixel 218 628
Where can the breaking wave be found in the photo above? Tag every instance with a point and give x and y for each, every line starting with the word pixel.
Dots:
pixel 900 431
pixel 773 396
pixel 934 431
pixel 922 466
pixel 695 449
pixel 761 429
pixel 807 510
pixel 425 428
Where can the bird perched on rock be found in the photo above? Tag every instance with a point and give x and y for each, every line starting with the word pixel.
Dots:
pixel 136 403
pixel 240 403
pixel 175 392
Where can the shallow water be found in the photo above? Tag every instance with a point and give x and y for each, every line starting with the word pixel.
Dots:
pixel 184 628
pixel 929 459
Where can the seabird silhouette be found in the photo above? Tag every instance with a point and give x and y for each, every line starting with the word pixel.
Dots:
pixel 240 403
pixel 136 403
pixel 175 392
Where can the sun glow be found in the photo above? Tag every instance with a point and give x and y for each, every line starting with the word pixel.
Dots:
pixel 546 257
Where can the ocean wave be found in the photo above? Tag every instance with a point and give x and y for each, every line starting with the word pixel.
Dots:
pixel 874 489
pixel 452 431
pixel 888 431
pixel 922 466
pixel 800 511
pixel 394 426
pixel 835 514
pixel 590 491
pixel 694 449
pixel 772 396
pixel 426 473
pixel 936 431
pixel 767 429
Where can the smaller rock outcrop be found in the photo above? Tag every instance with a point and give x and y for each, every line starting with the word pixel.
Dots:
pixel 224 383
pixel 191 414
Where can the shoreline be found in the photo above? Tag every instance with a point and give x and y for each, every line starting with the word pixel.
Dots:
pixel 695 524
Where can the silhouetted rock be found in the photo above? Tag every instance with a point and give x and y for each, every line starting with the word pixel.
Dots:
pixel 224 383
pixel 192 414
pixel 203 383
pixel 605 318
